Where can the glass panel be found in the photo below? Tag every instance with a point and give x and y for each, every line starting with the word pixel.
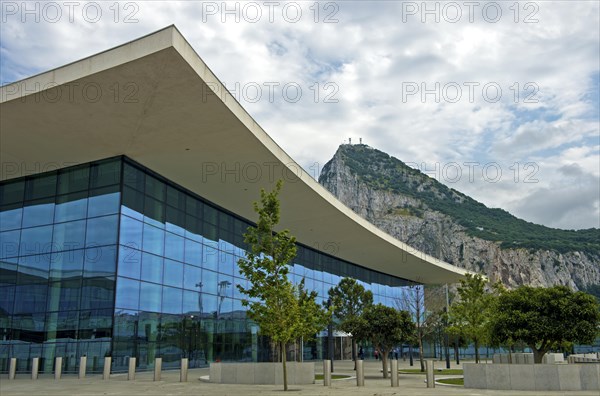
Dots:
pixel 150 297
pixel 7 299
pixel 10 217
pixel 175 198
pixel 193 228
pixel 193 252
pixel 98 293
pixel 33 269
pixel 71 207
pixel 30 298
pixel 154 212
pixel 172 300
pixel 209 282
pixel 41 187
pixel 38 212
pixel 174 247
pixel 95 324
pixel 191 302
pixel 210 214
pixel 133 203
pixel 209 304
pixel 104 201
pixel 133 177
pixel 152 268
pixel 226 263
pixel 100 262
pixel 211 258
pixel 210 232
pixel 130 261
pixel 173 275
pixel 154 240
pixel 105 173
pixel 12 192
pixel 67 264
pixel 194 207
pixel 64 295
pixel 71 180
pixel 9 243
pixel 155 188
pixel 192 277
pixel 131 233
pixel 8 272
pixel 36 240
pixel 128 293
pixel 101 231
pixel 175 221
pixel 68 236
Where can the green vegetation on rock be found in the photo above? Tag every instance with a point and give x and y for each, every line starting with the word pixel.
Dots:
pixel 380 171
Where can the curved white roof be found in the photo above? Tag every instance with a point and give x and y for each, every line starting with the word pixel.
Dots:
pixel 155 101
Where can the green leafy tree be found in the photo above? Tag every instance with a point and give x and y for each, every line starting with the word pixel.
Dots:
pixel 469 316
pixel 349 299
pixel 545 318
pixel 387 327
pixel 283 312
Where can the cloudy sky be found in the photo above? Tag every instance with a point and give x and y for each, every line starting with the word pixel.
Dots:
pixel 499 100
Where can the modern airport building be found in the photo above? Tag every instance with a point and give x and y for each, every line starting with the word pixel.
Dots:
pixel 127 184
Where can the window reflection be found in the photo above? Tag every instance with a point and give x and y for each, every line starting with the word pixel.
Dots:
pixel 177 269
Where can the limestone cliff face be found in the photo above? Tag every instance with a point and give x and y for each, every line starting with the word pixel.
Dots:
pixel 412 221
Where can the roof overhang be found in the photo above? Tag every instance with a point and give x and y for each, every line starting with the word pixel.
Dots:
pixel 155 101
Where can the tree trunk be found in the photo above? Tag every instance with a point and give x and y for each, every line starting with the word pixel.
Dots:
pixel 421 354
pixel 354 351
pixel 283 359
pixel 538 354
pixel 384 361
pixel 456 353
pixel 476 342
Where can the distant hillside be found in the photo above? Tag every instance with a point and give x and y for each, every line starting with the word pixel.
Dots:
pixel 396 197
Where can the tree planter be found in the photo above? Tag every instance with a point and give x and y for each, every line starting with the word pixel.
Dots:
pixel 267 373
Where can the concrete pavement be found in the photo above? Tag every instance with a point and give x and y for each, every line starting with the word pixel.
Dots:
pixel 410 384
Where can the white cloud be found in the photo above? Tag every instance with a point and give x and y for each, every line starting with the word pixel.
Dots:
pixel 371 57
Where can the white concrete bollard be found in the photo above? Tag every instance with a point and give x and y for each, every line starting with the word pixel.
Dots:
pixel 131 371
pixel 360 373
pixel 106 371
pixel 157 368
pixel 35 367
pixel 57 367
pixel 82 366
pixel 183 374
pixel 430 374
pixel 326 372
pixel 12 370
pixel 394 373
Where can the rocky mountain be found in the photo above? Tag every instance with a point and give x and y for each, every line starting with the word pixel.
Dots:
pixel 447 224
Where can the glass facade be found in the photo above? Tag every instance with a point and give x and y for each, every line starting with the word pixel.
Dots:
pixel 110 259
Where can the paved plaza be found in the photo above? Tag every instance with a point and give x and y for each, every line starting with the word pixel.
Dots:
pixel 410 384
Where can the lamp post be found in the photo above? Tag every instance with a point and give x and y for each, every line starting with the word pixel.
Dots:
pixel 446 340
pixel 330 337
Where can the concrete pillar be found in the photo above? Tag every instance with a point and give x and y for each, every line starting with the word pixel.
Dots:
pixel 360 373
pixel 106 372
pixel 82 366
pixel 430 374
pixel 394 373
pixel 327 372
pixel 157 368
pixel 35 367
pixel 12 369
pixel 57 367
pixel 131 371
pixel 183 374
